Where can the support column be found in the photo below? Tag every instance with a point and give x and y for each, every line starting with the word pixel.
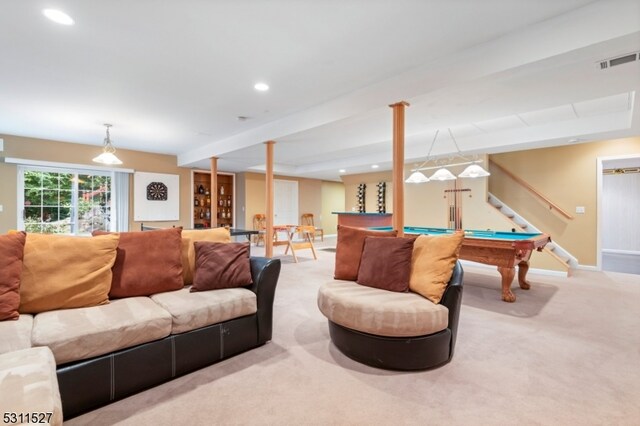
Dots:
pixel 214 192
pixel 268 238
pixel 398 166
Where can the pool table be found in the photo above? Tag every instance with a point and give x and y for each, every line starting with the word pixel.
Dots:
pixel 502 249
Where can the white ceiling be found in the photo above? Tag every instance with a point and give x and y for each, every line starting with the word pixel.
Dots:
pixel 172 77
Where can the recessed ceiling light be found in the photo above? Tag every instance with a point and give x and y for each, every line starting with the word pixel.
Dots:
pixel 261 87
pixel 342 170
pixel 374 166
pixel 58 16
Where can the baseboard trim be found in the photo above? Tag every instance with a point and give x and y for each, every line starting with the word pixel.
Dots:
pixel 549 272
pixel 591 268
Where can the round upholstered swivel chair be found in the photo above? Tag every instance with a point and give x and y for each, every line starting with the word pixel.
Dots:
pixel 417 352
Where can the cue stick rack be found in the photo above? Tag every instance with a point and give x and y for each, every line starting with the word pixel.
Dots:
pixel 454 202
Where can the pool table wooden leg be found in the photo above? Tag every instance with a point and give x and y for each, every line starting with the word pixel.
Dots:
pixel 507 279
pixel 523 268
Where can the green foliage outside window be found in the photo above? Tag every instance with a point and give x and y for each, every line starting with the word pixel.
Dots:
pixel 50 199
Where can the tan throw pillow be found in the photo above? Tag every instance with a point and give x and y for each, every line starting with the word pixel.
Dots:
pixel 349 250
pixel 148 262
pixel 221 265
pixel 11 254
pixel 62 271
pixel 386 263
pixel 432 264
pixel 217 235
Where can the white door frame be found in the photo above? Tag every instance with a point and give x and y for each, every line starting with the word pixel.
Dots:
pixel 599 170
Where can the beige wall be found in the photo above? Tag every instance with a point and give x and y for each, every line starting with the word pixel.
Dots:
pixel 61 152
pixel 332 201
pixel 310 198
pixel 351 183
pixel 567 175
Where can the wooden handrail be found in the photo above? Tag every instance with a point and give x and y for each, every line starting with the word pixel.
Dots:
pixel 551 204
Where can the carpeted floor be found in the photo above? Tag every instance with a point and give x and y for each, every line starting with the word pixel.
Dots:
pixel 566 353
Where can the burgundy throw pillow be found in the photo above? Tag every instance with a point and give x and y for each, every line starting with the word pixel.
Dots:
pixel 11 255
pixel 349 250
pixel 386 263
pixel 147 262
pixel 221 265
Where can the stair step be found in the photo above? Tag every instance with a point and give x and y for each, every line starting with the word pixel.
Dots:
pixel 510 215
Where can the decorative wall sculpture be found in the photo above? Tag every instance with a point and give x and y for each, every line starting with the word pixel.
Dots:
pixel 362 188
pixel 382 196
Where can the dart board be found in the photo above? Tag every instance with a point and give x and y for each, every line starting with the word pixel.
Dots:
pixel 157 191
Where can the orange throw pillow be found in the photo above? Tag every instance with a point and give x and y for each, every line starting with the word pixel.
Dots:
pixel 64 271
pixel 434 257
pixel 349 250
pixel 148 262
pixel 11 254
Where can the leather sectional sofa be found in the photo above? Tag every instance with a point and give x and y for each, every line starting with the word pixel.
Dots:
pixel 107 352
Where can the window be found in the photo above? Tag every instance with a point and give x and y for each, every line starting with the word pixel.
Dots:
pixel 64 201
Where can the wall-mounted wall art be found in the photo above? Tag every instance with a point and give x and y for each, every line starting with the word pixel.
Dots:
pixel 156 196
pixel 362 189
pixel 382 196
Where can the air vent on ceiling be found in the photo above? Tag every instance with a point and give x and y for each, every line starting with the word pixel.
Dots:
pixel 608 63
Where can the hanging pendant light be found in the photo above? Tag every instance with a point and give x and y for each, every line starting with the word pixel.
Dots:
pixel 442 174
pixel 108 151
pixel 474 171
pixel 417 177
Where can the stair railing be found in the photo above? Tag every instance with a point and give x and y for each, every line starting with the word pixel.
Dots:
pixel 535 192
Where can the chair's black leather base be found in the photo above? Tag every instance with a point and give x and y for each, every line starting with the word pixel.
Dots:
pixel 406 353
pixel 393 353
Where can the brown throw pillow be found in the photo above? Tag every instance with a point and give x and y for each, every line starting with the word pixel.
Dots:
pixel 11 253
pixel 148 262
pixel 386 263
pixel 221 265
pixel 64 271
pixel 434 257
pixel 189 236
pixel 349 250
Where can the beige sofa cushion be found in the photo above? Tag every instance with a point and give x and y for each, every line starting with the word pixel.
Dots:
pixel 75 334
pixel 28 384
pixel 15 335
pixel 202 308
pixel 380 312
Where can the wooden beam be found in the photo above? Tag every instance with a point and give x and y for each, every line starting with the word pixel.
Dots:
pixel 268 238
pixel 214 192
pixel 398 166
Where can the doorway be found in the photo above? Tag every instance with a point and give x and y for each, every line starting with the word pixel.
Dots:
pixel 285 202
pixel 619 206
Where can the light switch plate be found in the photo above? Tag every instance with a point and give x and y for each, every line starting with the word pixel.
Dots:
pixel 1 208
pixel 580 209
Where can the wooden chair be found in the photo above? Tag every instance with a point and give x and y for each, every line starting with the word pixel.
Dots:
pixel 307 220
pixel 260 225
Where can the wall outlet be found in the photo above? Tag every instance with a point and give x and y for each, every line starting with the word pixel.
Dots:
pixel 1 208
pixel 1 145
pixel 579 209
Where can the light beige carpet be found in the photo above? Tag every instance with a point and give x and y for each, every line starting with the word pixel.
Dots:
pixel 566 353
